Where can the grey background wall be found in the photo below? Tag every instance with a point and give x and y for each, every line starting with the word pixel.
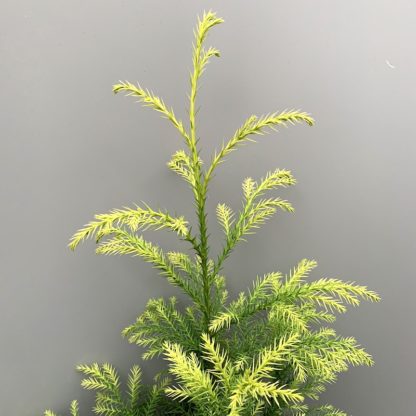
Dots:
pixel 70 149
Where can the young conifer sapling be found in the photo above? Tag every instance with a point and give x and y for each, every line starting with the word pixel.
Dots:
pixel 263 353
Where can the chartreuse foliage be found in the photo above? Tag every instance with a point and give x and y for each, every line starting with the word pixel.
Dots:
pixel 262 353
pixel 110 400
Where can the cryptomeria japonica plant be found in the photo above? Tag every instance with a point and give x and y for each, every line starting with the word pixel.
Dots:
pixel 262 353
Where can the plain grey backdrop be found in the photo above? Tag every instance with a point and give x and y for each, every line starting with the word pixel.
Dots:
pixel 70 149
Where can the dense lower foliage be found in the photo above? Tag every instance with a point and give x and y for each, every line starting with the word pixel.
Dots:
pixel 262 353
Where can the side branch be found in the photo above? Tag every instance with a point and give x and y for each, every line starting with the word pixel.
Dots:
pixel 135 219
pixel 255 125
pixel 150 100
pixel 121 242
pixel 256 210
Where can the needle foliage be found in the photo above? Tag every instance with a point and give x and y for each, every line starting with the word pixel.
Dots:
pixel 271 350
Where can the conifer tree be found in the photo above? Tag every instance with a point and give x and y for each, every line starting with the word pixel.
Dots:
pixel 263 353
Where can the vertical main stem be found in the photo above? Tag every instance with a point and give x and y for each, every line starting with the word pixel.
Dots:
pixel 200 192
pixel 206 284
pixel 200 186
